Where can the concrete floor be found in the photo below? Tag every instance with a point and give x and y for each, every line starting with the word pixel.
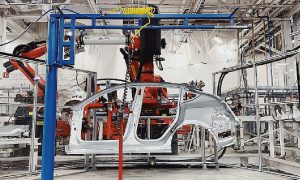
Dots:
pixel 163 174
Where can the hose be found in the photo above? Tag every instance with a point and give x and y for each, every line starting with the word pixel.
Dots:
pixel 149 11
pixel 125 93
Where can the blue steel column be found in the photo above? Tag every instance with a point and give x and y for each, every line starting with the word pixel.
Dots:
pixel 50 103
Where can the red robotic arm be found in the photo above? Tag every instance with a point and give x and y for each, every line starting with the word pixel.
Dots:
pixel 31 50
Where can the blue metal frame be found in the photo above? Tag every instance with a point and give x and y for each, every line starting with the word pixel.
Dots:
pixel 48 148
pixel 57 44
pixel 156 16
pixel 67 22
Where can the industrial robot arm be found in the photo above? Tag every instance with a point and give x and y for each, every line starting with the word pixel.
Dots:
pixel 30 50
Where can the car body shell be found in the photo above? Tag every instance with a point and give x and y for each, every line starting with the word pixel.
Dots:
pixel 204 110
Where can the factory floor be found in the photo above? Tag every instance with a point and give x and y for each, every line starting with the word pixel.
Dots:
pixel 163 174
pixel 65 172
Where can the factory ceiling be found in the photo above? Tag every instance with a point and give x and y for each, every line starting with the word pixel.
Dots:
pixel 20 13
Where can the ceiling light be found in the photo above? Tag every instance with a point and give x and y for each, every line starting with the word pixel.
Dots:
pixel 282 64
pixel 218 40
pixel 69 33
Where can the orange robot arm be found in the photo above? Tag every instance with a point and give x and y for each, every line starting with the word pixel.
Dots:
pixel 31 50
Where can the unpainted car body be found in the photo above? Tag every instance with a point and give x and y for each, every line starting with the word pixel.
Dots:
pixel 204 109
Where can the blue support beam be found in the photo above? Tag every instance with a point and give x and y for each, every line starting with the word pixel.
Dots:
pixel 156 16
pixel 132 27
pixel 48 147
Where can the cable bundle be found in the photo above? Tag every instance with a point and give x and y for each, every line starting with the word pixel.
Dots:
pixel 149 11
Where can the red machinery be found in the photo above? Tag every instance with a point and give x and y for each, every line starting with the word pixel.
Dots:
pixel 23 115
pixel 31 50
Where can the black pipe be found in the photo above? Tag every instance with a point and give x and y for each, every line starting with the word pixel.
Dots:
pixel 298 81
pixel 111 79
pixel 220 82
